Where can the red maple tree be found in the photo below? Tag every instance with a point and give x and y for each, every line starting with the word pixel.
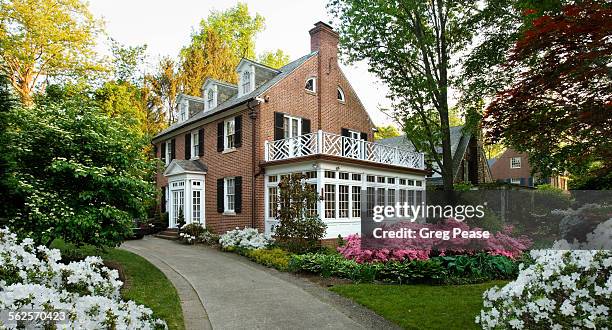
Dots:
pixel 559 106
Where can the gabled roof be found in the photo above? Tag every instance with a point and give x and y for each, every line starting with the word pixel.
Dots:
pixel 179 166
pixel 263 66
pixel 235 101
pixel 459 139
pixel 218 82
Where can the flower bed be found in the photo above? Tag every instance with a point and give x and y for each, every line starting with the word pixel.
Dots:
pixel 196 233
pixel 33 278
pixel 501 243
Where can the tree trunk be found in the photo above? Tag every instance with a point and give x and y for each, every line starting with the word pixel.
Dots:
pixel 447 157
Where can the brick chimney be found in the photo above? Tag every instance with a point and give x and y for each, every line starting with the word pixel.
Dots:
pixel 323 38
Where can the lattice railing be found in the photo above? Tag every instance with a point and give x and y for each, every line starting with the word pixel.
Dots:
pixel 341 146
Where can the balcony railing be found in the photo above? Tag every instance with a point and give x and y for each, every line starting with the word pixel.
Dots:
pixel 336 145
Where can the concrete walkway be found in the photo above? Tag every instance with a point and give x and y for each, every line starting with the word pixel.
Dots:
pixel 239 294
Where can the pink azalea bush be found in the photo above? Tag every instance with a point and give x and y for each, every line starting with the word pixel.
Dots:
pixel 418 248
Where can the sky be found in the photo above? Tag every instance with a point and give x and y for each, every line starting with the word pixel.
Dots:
pixel 165 26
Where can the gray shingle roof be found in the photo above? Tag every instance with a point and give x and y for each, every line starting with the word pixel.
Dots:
pixel 234 101
pixel 191 165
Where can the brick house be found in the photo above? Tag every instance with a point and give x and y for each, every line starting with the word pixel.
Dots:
pixel 469 158
pixel 226 154
pixel 513 167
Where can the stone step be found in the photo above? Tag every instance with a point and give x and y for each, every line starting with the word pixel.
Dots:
pixel 170 237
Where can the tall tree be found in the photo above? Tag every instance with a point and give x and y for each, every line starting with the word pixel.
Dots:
pixel 558 106
pixel 410 45
pixel 128 62
pixel 216 48
pixel 45 38
pixel 165 85
pixel 276 59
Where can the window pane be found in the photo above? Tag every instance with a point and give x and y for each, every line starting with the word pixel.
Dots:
pixel 330 201
pixel 371 200
pixel 311 208
pixel 196 203
pixel 380 196
pixel 356 202
pixel 391 197
pixel 272 201
pixel 343 200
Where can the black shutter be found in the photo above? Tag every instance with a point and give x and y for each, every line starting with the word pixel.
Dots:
pixel 238 131
pixel 345 132
pixel 163 199
pixel 201 142
pixel 305 126
pixel 163 152
pixel 238 194
pixel 173 150
pixel 364 136
pixel 220 136
pixel 279 131
pixel 187 145
pixel 220 194
pixel 522 181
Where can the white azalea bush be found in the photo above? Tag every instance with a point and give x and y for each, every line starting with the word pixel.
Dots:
pixel 561 290
pixel 197 233
pixel 32 278
pixel 248 238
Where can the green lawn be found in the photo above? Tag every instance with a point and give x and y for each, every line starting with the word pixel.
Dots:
pixel 146 284
pixel 421 306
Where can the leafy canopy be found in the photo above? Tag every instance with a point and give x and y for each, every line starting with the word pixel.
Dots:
pixel 45 38
pixel 74 173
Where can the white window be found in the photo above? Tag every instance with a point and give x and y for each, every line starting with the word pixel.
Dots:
pixel 292 126
pixel 195 144
pixel 230 189
pixel 330 201
pixel 228 134
pixel 196 202
pixel 356 201
pixel 246 82
pixel 515 181
pixel 168 152
pixel 340 95
pixel 272 201
pixel 178 215
pixel 343 201
pixel 311 85
pixel 183 111
pixel 515 162
pixel 210 99
pixel 311 208
pixel 391 197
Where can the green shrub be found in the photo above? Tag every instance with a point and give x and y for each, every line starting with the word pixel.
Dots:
pixel 437 270
pixel 275 258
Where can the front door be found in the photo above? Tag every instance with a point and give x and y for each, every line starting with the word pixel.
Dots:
pixel 177 202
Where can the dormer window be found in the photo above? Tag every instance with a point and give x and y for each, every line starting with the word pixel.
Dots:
pixel 340 95
pixel 246 82
pixel 311 85
pixel 183 111
pixel 210 99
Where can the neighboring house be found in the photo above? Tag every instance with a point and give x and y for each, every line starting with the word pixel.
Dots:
pixel 513 167
pixel 231 147
pixel 469 159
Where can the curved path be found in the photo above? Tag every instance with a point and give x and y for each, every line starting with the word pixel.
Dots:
pixel 225 291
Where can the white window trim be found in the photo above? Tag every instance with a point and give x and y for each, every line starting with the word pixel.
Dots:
pixel 291 118
pixel 226 209
pixel 168 152
pixel 251 70
pixel 515 180
pixel 207 106
pixel 225 135
pixel 314 85
pixel 183 111
pixel 512 163
pixel 195 141
pixel 343 97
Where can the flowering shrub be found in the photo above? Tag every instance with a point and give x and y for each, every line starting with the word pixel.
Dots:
pixel 33 278
pixel 500 243
pixel 561 290
pixel 196 233
pixel 599 239
pixel 247 238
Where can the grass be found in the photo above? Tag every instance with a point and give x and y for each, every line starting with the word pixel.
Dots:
pixel 421 306
pixel 145 284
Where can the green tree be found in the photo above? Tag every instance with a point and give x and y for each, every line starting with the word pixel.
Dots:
pixel 216 48
pixel 274 60
pixel 128 62
pixel 411 46
pixel 78 174
pixel 45 38
pixel 165 85
pixel 385 132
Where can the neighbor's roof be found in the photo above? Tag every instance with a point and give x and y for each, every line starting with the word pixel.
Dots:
pixel 235 101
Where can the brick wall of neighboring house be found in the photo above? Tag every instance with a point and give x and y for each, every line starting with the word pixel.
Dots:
pixel 501 169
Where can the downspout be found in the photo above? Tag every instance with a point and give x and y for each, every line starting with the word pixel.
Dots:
pixel 253 116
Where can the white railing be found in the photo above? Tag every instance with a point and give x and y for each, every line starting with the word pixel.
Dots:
pixel 341 146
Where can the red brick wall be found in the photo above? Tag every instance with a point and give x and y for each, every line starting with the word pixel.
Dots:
pixel 501 168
